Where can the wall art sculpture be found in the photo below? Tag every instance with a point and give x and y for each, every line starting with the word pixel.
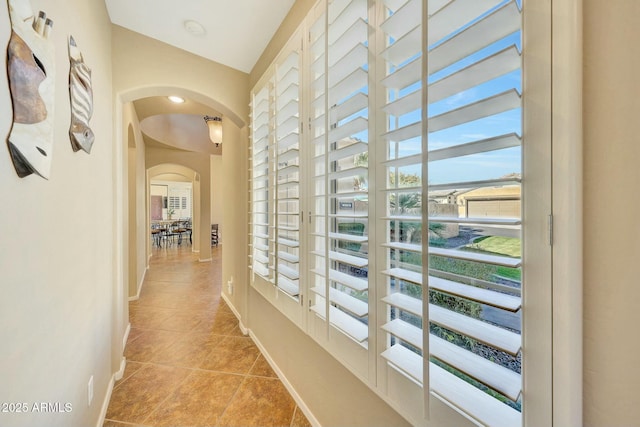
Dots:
pixel 31 72
pixel 81 96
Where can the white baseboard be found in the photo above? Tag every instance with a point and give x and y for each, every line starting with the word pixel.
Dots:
pixel 126 335
pixel 105 403
pixel 243 329
pixel 118 375
pixel 230 304
pixel 144 276
pixel 307 413
pixel 205 260
pixel 246 331
pixel 137 295
pixel 107 397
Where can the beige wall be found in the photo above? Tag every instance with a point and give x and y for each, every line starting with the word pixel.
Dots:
pixel 217 189
pixel 56 258
pixel 235 216
pixel 136 201
pixel 142 218
pixel 145 67
pixel 132 194
pixel 611 236
pixel 333 394
pixel 296 14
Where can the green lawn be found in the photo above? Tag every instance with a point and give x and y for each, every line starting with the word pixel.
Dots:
pixel 508 246
pixel 488 245
pixel 509 273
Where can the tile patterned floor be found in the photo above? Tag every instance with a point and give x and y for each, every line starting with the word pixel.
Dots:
pixel 188 363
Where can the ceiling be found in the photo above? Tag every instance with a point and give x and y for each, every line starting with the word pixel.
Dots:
pixel 176 126
pixel 230 32
pixel 236 32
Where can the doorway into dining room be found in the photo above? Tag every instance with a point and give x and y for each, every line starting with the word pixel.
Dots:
pixel 171 209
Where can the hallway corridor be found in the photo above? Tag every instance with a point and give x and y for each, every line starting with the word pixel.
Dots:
pixel 188 363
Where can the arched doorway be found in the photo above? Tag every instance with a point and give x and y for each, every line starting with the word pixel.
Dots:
pixel 134 159
pixel 185 191
pixel 157 134
pixel 134 279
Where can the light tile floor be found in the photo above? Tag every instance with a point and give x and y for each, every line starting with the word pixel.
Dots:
pixel 188 363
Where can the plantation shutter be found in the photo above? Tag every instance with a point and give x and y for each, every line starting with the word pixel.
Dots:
pixel 260 218
pixel 402 54
pixel 339 125
pixel 468 321
pixel 286 165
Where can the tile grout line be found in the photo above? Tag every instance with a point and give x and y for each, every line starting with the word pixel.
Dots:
pixel 170 394
pixel 204 328
pixel 191 370
pixel 245 377
pixel 231 400
pixel 123 379
pixel 293 416
pixel 186 333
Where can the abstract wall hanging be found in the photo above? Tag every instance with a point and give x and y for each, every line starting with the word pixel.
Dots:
pixel 81 95
pixel 31 72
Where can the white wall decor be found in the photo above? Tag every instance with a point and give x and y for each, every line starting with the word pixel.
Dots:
pixel 81 96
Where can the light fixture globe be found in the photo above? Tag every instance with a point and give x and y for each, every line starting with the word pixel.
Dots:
pixel 176 99
pixel 215 129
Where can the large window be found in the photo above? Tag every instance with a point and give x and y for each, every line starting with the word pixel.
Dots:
pixel 454 275
pixel 409 195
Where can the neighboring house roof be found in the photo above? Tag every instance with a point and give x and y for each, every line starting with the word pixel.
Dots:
pixel 501 191
pixel 510 191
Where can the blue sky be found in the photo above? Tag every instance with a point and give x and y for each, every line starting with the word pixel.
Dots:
pixel 479 166
pixel 475 167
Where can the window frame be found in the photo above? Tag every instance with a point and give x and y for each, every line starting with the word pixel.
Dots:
pixel 555 341
pixel 358 356
pixel 267 285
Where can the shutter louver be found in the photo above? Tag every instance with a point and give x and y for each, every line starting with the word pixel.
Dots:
pixel 403 185
pixel 473 150
pixel 287 174
pixel 339 126
pixel 260 218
